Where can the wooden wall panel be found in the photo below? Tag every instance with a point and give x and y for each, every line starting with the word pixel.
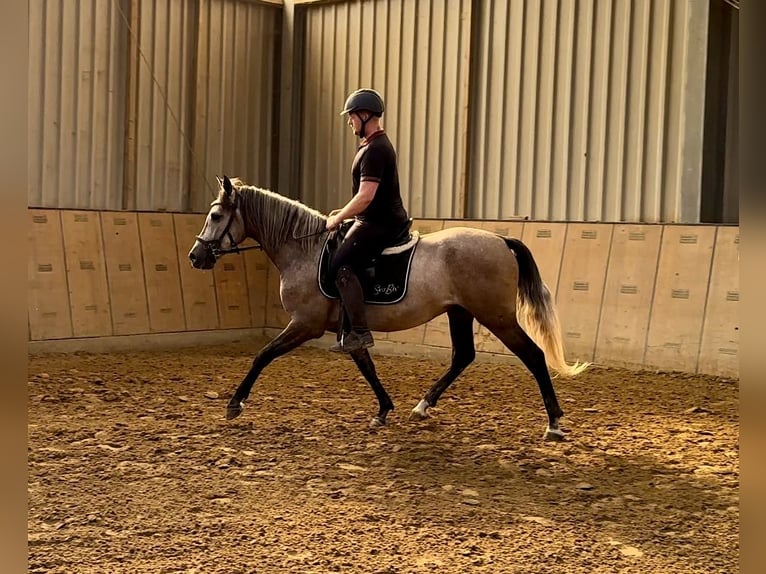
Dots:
pixel 125 272
pixel 665 296
pixel 436 332
pixel 427 225
pixel 680 292
pixel 231 292
pixel 257 270
pixel 47 291
pixel 86 274
pixel 513 229
pixel 628 294
pixel 163 284
pixel 415 336
pixel 473 223
pixel 546 242
pixel 581 287
pixel 719 351
pixel 198 285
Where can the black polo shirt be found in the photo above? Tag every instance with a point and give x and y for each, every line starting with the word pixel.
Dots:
pixel 375 160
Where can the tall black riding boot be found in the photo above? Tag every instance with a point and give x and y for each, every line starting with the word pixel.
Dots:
pixel 352 296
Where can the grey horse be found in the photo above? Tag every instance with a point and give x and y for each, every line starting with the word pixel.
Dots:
pixel 467 273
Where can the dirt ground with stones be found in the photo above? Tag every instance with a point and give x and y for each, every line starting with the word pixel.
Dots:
pixel 133 468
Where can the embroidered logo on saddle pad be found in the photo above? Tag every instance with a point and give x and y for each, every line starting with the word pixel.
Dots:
pixel 384 282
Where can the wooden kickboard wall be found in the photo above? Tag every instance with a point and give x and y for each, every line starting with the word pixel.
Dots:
pixel 86 274
pixel 635 295
pixel 581 286
pixel 197 285
pixel 163 283
pixel 680 295
pixel 628 295
pixel 125 273
pixel 47 292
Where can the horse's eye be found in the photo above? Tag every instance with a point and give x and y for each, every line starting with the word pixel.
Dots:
pixel 215 217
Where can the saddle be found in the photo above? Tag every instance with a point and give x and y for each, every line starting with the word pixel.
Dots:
pixel 384 281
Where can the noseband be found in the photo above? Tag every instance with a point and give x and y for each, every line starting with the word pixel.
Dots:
pixel 214 245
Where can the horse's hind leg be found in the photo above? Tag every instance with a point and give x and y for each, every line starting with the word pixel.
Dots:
pixel 463 354
pixel 521 345
pixel 367 368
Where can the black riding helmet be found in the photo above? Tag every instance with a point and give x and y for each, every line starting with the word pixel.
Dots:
pixel 364 100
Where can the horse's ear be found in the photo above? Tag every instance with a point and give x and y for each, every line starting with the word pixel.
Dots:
pixel 220 181
pixel 227 187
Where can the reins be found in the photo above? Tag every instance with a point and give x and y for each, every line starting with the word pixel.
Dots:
pixel 298 237
pixel 237 249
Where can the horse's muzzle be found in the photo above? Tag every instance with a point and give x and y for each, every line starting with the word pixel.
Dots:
pixel 201 256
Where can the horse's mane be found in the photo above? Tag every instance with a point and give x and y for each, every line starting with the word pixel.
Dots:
pixel 278 218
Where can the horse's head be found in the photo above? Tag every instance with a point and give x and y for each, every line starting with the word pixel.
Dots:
pixel 224 227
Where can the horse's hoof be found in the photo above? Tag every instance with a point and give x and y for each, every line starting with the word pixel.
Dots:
pixel 233 411
pixel 377 422
pixel 554 435
pixel 417 415
pixel 420 412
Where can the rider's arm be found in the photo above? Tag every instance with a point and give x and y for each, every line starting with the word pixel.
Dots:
pixel 360 201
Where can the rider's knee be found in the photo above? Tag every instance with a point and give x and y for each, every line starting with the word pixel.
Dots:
pixel 344 275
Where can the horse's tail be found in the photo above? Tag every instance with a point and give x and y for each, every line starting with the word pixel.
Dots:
pixel 537 314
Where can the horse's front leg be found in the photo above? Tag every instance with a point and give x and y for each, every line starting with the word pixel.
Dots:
pixel 293 335
pixel 367 367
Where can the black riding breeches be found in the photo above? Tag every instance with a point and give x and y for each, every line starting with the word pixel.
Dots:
pixel 363 242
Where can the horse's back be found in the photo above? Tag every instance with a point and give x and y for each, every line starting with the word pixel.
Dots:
pixel 468 242
pixel 465 254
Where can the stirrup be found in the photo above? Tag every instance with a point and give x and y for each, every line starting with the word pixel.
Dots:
pixel 337 347
pixel 353 341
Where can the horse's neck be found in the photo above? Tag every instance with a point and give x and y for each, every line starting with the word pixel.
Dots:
pixel 290 257
pixel 287 254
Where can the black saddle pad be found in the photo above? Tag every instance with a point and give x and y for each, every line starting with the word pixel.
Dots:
pixel 384 282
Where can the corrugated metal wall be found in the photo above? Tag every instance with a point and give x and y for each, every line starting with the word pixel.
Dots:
pixel 161 100
pixel 577 110
pixel 76 103
pixel 588 111
pixel 237 91
pixel 126 94
pixel 416 53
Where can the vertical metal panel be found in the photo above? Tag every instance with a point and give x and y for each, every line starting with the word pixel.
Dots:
pixel 235 119
pixel 416 53
pixel 76 103
pixel 571 122
pixel 161 104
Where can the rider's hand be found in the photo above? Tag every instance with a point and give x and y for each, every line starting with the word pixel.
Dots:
pixel 332 221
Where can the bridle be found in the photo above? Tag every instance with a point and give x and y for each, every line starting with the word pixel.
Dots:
pixel 214 245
